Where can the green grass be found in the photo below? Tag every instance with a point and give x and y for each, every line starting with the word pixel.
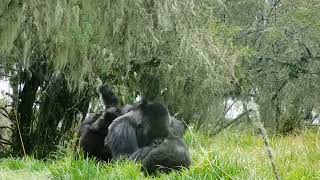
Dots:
pixel 230 155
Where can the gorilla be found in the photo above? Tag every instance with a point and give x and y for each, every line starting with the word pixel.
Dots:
pixel 138 128
pixel 93 130
pixel 171 154
pixel 133 131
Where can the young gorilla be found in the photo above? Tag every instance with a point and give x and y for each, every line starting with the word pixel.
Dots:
pixel 171 154
pixel 94 129
pixel 137 128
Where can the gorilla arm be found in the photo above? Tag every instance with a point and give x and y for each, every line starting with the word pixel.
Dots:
pixel 141 153
pixel 171 154
pixel 103 122
pixel 87 123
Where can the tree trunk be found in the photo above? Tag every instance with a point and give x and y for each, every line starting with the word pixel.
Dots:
pixel 27 98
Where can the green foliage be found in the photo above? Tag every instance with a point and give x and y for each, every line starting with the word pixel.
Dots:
pixel 126 43
pixel 275 55
pixel 191 55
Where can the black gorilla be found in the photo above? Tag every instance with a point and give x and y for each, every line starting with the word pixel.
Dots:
pixel 171 154
pixel 93 130
pixel 137 128
pixel 133 130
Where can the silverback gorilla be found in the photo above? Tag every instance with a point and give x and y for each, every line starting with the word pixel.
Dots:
pixel 137 128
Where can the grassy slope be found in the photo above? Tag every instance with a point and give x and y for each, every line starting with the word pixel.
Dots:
pixel 229 156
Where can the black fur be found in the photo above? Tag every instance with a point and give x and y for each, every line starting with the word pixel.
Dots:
pixel 108 96
pixel 142 153
pixel 133 131
pixel 137 128
pixel 93 130
pixel 171 154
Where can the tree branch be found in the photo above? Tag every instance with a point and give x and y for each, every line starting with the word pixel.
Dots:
pixel 227 109
pixel 6 127
pixel 5 141
pixel 227 124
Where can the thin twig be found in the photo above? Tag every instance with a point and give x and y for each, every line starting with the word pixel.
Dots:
pixel 3 114
pixel 227 109
pixel 5 141
pixel 6 127
pixel 224 126
pixel 24 151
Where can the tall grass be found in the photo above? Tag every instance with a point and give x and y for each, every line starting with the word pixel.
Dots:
pixel 230 155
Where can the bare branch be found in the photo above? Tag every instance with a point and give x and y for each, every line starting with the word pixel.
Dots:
pixel 6 127
pixel 224 126
pixel 5 141
pixel 227 110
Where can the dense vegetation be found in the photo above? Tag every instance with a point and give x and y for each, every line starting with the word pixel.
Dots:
pixel 194 56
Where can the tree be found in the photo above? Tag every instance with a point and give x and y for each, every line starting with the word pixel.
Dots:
pixel 55 51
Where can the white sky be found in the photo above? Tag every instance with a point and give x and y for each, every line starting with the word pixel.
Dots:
pixel 235 110
pixel 4 87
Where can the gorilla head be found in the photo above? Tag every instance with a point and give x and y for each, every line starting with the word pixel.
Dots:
pixel 109 98
pixel 155 122
pixel 137 128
